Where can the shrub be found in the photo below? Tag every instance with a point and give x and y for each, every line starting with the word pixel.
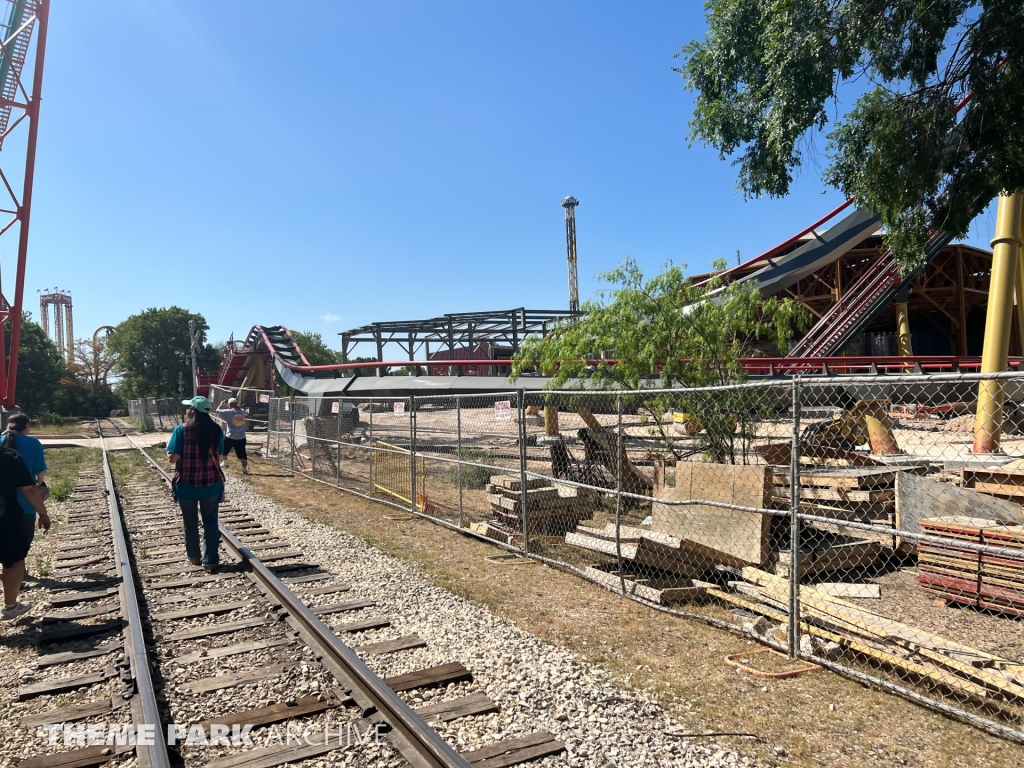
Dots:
pixel 61 490
pixel 473 476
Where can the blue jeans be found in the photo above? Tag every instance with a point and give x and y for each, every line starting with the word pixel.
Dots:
pixel 190 509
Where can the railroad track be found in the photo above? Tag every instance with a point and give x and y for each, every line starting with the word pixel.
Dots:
pixel 138 636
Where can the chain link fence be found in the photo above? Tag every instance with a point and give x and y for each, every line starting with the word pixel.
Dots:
pixel 156 413
pixel 845 521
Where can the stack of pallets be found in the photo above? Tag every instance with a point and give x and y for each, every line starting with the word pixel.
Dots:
pixel 549 509
pixel 981 579
pixel 862 494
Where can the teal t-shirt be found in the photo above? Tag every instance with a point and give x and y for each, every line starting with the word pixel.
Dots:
pixel 184 490
pixel 31 451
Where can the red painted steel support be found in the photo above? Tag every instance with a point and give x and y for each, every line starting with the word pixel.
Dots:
pixel 9 373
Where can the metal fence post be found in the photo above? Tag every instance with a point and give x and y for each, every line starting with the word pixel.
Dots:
pixel 522 471
pixel 341 415
pixel 291 427
pixel 372 448
pixel 794 528
pixel 412 451
pixel 458 453
pixel 312 442
pixel 620 448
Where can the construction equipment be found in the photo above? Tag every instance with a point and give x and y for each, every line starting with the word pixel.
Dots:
pixel 867 422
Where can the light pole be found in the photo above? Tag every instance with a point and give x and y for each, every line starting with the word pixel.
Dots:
pixel 195 373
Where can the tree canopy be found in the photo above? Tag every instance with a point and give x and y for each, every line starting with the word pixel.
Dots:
pixel 313 347
pixel 686 335
pixel 40 367
pixel 664 326
pixel 768 75
pixel 152 348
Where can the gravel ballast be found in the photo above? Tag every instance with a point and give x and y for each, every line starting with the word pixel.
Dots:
pixel 537 686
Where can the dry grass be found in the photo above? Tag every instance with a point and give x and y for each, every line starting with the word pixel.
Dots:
pixel 69 427
pixel 818 718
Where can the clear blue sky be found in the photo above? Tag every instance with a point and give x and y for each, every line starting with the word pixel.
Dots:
pixel 327 164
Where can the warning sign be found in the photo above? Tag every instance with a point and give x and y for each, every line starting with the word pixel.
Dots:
pixel 265 397
pixel 503 410
pixel 400 409
pixel 335 407
pixel 287 405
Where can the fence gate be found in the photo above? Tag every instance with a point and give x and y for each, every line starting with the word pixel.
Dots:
pixel 391 467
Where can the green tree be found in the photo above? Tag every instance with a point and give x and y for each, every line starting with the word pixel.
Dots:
pixel 313 347
pixel 40 367
pixel 768 74
pixel 152 348
pixel 668 328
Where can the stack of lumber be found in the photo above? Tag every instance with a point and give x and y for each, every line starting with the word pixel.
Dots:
pixel 549 508
pixel 863 494
pixel 981 579
pixel 644 550
pixel 733 537
pixel 826 552
pixel 908 652
pixel 660 590
pixel 858 494
pixel 1007 482
pixel 743 537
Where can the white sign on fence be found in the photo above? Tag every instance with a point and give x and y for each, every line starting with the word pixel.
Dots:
pixel 503 410
pixel 335 407
pixel 265 397
pixel 400 409
pixel 287 407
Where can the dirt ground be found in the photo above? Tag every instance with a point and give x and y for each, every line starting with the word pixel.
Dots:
pixel 818 718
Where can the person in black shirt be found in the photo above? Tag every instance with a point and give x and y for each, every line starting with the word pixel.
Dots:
pixel 14 477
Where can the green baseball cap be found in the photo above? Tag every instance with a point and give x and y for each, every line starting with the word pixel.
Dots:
pixel 201 404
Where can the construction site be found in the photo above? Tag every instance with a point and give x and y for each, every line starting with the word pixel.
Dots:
pixel 845 511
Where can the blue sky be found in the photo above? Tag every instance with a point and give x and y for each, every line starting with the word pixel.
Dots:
pixel 327 164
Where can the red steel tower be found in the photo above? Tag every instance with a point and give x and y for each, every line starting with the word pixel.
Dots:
pixel 18 108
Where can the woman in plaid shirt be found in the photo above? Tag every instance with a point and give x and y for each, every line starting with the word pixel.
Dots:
pixel 194 449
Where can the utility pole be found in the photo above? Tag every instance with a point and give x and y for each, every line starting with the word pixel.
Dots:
pixel 195 372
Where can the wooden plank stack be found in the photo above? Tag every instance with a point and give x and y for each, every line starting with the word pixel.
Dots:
pixel 644 549
pixel 734 537
pixel 654 589
pixel 862 494
pixel 980 579
pixel 1004 483
pixel 930 659
pixel 550 509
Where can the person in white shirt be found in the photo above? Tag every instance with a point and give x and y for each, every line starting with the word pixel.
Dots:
pixel 234 428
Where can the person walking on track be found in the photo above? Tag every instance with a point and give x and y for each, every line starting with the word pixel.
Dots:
pixel 234 417
pixel 14 477
pixel 17 438
pixel 194 449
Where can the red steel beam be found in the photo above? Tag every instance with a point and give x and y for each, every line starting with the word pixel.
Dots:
pixel 9 377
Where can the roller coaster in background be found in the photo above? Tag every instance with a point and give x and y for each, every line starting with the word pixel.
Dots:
pixel 269 355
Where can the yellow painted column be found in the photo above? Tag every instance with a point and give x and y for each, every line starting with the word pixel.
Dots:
pixel 903 338
pixel 1005 254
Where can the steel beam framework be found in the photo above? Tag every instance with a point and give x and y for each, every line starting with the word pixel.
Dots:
pixel 24 16
pixel 448 333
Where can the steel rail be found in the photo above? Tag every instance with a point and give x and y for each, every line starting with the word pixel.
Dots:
pixel 420 744
pixel 155 753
